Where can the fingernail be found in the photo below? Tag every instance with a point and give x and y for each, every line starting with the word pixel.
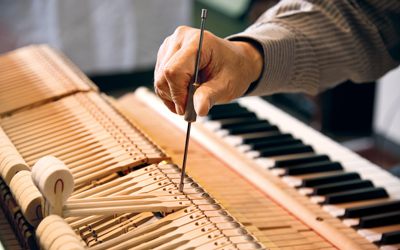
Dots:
pixel 196 105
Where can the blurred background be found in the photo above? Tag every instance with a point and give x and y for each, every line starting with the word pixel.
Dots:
pixel 115 42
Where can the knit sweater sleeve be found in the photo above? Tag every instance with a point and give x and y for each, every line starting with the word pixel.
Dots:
pixel 313 45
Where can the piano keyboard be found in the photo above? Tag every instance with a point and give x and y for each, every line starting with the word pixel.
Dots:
pixel 325 174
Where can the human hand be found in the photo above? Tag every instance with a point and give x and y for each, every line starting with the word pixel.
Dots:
pixel 226 69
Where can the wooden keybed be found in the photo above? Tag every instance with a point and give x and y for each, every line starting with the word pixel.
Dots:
pixel 78 172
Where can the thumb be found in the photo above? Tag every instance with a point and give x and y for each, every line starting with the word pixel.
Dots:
pixel 203 99
pixel 216 90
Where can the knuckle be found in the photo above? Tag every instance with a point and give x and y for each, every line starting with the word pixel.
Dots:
pixel 208 35
pixel 169 72
pixel 181 29
pixel 160 86
pixel 157 84
pixel 165 42
pixel 160 93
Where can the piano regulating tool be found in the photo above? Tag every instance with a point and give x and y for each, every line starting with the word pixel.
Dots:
pixel 190 114
pixel 80 170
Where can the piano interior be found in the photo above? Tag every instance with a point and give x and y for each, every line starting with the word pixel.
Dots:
pixel 82 170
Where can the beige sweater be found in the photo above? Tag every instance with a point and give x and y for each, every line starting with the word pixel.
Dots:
pixel 313 45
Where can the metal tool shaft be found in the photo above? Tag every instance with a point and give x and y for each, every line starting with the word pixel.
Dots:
pixel 181 184
pixel 190 113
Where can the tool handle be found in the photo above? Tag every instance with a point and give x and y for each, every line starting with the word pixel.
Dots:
pixel 190 113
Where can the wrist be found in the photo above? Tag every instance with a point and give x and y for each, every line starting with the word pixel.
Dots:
pixel 254 59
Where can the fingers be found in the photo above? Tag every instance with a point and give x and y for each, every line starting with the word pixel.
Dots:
pixel 178 73
pixel 161 87
pixel 170 105
pixel 175 67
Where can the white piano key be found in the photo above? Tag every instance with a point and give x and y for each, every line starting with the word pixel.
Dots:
pixel 387 182
pixel 351 222
pixel 366 232
pixel 373 237
pixel 395 196
pixel 317 199
pixel 378 230
pixel 265 162
pixel 292 181
pixel 253 154
pixel 269 162
pixel 211 125
pixel 277 171
pixel 244 148
pixel 393 191
pixel 334 210
pixel 233 140
pixel 306 191
pixel 222 133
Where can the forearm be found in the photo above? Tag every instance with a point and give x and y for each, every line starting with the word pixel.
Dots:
pixel 310 47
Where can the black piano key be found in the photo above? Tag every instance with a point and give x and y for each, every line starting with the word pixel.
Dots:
pixel 274 143
pixel 253 128
pixel 341 186
pixel 250 116
pixel 239 122
pixel 267 138
pixel 226 107
pixel 302 160
pixel 390 238
pixel 316 167
pixel 356 195
pixel 356 212
pixel 230 114
pixel 379 220
pixel 286 150
pixel 311 182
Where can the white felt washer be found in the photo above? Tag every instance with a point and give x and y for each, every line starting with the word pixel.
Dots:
pixel 13 166
pixel 49 220
pixel 50 180
pixel 32 208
